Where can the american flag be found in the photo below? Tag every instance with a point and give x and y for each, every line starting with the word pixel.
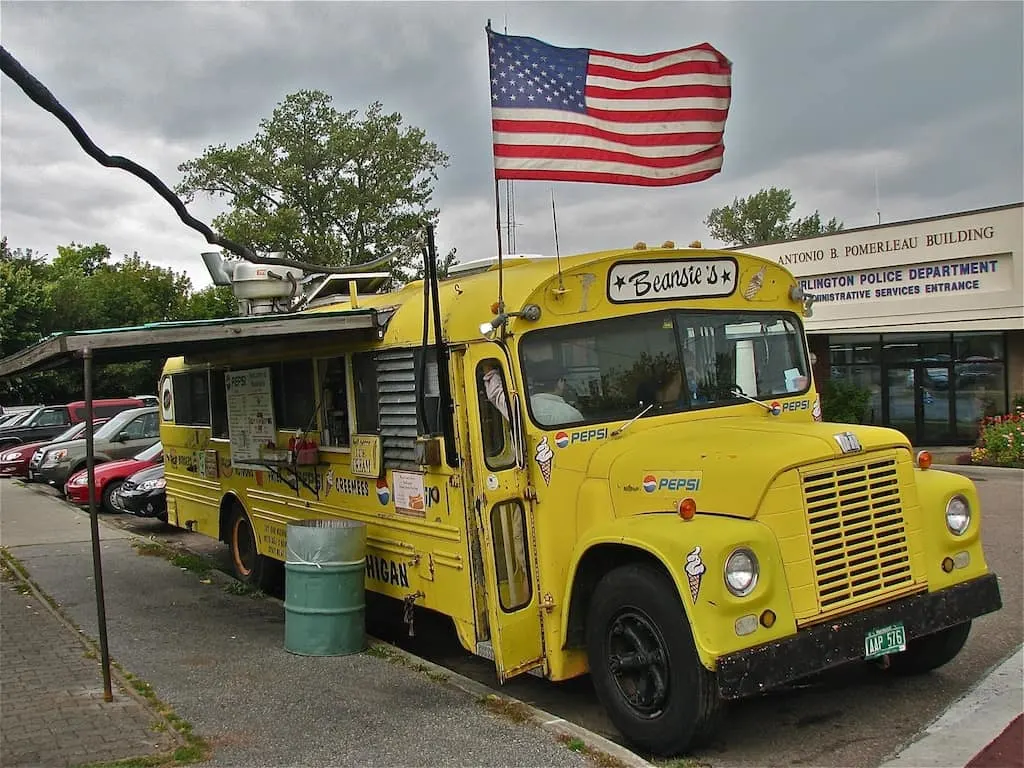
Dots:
pixel 579 114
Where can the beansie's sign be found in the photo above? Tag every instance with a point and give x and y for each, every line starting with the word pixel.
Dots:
pixel 636 281
pixel 961 276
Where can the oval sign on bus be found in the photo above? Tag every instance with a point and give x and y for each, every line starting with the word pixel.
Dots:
pixel 671 279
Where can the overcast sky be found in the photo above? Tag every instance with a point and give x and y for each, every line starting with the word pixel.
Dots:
pixel 825 95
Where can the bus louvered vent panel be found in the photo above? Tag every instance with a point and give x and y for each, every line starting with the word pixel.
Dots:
pixel 396 388
pixel 858 533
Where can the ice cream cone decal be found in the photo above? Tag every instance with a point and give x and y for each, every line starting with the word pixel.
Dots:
pixel 754 285
pixel 544 457
pixel 694 572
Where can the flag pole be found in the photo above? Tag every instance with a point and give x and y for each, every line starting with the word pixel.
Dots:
pixel 497 211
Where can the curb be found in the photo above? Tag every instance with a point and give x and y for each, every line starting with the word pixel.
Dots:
pixel 980 470
pixel 595 745
pixel 971 723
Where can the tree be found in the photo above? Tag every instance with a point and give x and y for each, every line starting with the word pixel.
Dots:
pixel 82 289
pixel 765 217
pixel 323 186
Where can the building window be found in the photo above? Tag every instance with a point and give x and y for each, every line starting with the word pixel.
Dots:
pixel 333 390
pixel 293 394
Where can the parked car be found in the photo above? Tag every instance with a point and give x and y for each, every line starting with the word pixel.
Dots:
pixel 14 418
pixel 144 494
pixel 15 460
pixel 109 477
pixel 123 436
pixel 49 421
pixel 147 399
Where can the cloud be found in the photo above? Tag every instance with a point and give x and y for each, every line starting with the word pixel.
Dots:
pixel 825 94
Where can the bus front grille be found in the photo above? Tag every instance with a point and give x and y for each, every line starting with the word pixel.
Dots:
pixel 858 534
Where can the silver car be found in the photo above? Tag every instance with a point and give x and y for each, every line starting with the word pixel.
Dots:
pixel 122 437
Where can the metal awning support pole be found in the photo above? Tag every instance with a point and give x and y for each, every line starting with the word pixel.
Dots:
pixel 94 524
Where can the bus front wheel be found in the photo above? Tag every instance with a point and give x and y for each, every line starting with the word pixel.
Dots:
pixel 644 663
pixel 250 567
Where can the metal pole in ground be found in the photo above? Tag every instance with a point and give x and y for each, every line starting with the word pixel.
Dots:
pixel 94 524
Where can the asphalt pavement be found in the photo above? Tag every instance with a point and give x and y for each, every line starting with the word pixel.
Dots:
pixel 859 716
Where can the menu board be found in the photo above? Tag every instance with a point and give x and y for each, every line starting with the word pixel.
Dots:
pixel 250 414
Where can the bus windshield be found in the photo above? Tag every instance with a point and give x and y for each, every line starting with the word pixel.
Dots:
pixel 674 360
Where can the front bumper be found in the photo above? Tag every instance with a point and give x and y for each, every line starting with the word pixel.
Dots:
pixel 755 670
pixel 143 504
pixel 57 474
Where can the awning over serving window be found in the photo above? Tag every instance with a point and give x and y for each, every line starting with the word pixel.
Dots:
pixel 193 338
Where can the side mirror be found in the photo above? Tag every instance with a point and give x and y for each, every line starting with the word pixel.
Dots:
pixel 121 437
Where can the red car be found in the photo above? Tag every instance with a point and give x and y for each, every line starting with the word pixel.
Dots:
pixel 109 476
pixel 14 460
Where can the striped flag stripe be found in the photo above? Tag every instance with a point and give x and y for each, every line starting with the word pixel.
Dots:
pixel 504 117
pixel 648 61
pixel 591 154
pixel 578 133
pixel 706 69
pixel 659 115
pixel 603 173
pixel 718 82
pixel 649 106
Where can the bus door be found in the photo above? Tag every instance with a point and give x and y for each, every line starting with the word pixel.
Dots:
pixel 502 515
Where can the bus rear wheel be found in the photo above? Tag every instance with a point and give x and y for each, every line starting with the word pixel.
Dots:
pixel 249 566
pixel 644 663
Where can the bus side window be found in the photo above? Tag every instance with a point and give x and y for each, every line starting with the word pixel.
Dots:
pixel 333 394
pixel 218 405
pixel 492 395
pixel 512 566
pixel 364 380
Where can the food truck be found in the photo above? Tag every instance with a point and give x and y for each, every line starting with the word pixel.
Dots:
pixel 612 463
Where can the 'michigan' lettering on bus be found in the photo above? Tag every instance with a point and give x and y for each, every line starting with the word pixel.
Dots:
pixel 388 571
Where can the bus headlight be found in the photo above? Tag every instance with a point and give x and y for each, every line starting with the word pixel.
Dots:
pixel 741 572
pixel 958 515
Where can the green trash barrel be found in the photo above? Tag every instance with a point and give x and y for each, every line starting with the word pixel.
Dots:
pixel 325 588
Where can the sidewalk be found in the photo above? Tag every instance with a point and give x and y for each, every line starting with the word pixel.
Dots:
pixel 218 660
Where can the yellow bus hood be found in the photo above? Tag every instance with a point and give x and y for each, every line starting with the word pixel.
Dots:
pixel 725 465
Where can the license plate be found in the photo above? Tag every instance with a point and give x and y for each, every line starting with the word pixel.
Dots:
pixel 879 642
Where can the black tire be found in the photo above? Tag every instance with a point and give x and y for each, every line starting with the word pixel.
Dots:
pixel 108 497
pixel 248 565
pixel 662 700
pixel 930 652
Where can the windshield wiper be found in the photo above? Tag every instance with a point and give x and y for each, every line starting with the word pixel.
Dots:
pixel 620 430
pixel 740 393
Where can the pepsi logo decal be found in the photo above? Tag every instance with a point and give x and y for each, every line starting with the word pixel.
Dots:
pixel 383 492
pixel 776 407
pixel 673 481
pixel 565 439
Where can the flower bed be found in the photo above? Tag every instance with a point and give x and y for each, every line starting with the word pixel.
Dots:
pixel 1001 440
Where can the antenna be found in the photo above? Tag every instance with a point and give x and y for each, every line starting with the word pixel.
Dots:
pixel 558 255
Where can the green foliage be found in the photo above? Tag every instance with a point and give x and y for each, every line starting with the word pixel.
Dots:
pixel 844 402
pixel 84 288
pixel 765 217
pixel 323 186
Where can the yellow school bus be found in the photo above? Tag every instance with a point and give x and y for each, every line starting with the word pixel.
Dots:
pixel 619 468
